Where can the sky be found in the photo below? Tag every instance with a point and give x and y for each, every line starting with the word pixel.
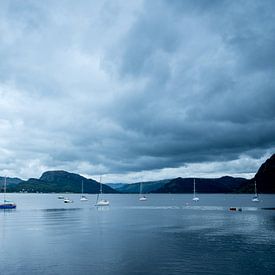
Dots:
pixel 136 90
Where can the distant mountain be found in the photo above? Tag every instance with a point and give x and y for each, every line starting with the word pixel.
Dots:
pixel 265 178
pixel 60 182
pixel 147 187
pixel 215 185
pixel 116 185
pixel 10 180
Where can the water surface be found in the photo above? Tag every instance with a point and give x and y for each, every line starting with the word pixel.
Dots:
pixel 167 234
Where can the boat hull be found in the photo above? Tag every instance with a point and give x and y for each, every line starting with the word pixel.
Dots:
pixel 68 201
pixel 102 203
pixel 83 198
pixel 7 206
pixel 143 199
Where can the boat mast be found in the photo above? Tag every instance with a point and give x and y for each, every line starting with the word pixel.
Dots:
pixel 256 189
pixel 100 186
pixel 194 188
pixel 5 188
pixel 100 190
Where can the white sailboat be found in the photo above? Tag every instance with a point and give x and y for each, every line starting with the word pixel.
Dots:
pixel 141 197
pixel 194 189
pixel 101 202
pixel 7 204
pixel 83 198
pixel 255 197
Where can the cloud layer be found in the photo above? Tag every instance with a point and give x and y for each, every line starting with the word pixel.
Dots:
pixel 136 89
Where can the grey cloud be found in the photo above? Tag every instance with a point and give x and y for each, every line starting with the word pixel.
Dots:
pixel 208 97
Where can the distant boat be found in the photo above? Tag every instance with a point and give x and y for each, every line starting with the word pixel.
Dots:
pixel 83 198
pixel 235 209
pixel 7 203
pixel 61 197
pixel 141 197
pixel 194 189
pixel 67 200
pixel 255 197
pixel 102 202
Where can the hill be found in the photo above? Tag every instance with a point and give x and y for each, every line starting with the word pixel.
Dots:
pixel 133 188
pixel 215 185
pixel 265 178
pixel 60 182
pixel 10 180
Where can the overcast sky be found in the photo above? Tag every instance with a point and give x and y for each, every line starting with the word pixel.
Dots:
pixel 136 90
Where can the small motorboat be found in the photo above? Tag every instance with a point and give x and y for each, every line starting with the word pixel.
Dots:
pixel 67 200
pixel 61 197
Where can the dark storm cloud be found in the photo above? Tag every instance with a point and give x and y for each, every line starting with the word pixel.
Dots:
pixel 208 72
pixel 104 87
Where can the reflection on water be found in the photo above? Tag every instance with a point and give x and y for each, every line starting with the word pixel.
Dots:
pixel 60 209
pixel 167 234
pixel 102 208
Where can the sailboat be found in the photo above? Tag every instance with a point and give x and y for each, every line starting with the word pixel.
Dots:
pixel 141 197
pixel 83 198
pixel 7 204
pixel 194 195
pixel 101 202
pixel 255 197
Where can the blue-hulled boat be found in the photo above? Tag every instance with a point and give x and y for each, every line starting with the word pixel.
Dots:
pixel 7 204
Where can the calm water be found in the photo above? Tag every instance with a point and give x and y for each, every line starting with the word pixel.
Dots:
pixel 168 234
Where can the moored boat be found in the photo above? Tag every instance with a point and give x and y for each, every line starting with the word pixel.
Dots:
pixel 7 204
pixel 83 197
pixel 101 202
pixel 141 197
pixel 67 200
pixel 195 198
pixel 255 197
